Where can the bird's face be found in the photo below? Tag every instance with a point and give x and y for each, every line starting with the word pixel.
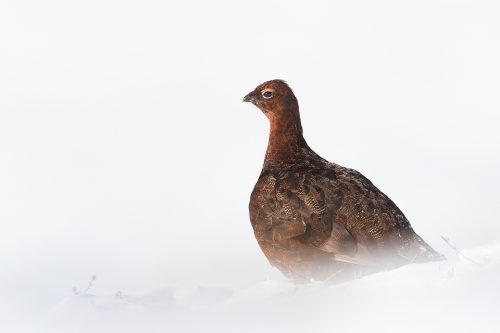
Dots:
pixel 272 97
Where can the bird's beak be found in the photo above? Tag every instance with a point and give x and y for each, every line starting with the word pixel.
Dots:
pixel 249 98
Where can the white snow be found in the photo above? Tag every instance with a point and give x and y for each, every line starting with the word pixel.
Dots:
pixel 451 296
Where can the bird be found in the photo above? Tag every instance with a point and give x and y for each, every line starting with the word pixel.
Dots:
pixel 315 220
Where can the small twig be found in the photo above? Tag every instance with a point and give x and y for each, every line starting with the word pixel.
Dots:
pixel 447 241
pixel 90 284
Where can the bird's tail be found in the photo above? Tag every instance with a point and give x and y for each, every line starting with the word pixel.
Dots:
pixel 425 253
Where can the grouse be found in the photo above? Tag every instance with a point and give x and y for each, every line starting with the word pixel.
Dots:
pixel 316 220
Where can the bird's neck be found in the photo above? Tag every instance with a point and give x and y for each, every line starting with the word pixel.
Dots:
pixel 285 137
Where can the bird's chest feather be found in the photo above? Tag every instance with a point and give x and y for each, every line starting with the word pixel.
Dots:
pixel 294 200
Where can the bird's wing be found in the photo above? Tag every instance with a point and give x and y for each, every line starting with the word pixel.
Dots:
pixel 298 210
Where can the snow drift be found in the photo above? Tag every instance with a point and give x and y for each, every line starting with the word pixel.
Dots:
pixel 452 296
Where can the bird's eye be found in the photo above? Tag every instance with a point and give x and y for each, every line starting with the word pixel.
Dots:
pixel 267 94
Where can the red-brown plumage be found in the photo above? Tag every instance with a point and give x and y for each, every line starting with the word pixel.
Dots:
pixel 317 220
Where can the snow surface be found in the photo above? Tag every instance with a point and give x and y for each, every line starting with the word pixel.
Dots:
pixel 452 296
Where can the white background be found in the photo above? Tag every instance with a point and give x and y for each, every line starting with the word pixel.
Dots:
pixel 125 150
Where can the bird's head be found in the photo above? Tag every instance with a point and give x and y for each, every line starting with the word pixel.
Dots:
pixel 274 98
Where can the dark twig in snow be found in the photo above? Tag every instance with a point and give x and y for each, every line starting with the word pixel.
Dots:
pixel 90 284
pixel 447 241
